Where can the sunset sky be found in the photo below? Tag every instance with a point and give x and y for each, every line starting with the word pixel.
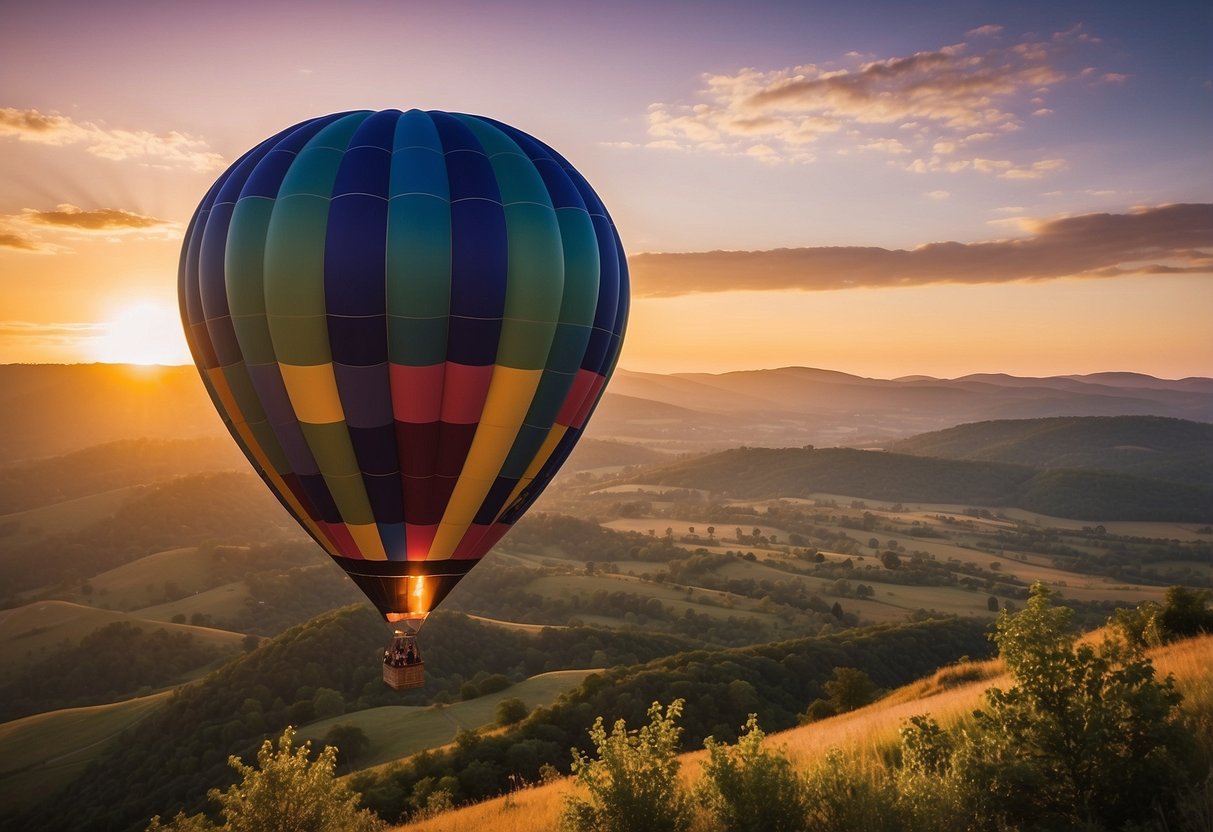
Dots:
pixel 879 188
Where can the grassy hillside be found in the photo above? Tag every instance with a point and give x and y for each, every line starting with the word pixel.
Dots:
pixel 45 752
pixel 397 731
pixel 863 735
pixel 224 507
pixel 170 760
pixel 763 473
pixel 52 409
pixel 1148 446
pixel 33 631
pixel 113 465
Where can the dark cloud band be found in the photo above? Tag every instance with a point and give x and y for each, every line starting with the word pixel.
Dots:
pixel 1168 239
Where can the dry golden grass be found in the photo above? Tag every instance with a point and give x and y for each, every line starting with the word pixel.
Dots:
pixel 864 735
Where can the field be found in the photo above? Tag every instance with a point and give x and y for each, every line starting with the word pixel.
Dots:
pixel 43 752
pixel 401 731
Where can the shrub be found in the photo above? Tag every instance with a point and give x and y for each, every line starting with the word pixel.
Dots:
pixel 750 788
pixel 633 784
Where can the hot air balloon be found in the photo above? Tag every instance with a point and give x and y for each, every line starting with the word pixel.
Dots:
pixel 405 320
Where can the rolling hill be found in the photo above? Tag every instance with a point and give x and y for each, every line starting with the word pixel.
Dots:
pixel 765 473
pixel 1148 446
pixel 50 410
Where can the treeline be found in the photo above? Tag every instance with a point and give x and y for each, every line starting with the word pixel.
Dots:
pixel 588 541
pixel 115 661
pixel 330 665
pixel 761 473
pixel 776 681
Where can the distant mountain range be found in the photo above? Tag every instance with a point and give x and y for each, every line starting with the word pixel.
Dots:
pixel 800 405
pixel 46 410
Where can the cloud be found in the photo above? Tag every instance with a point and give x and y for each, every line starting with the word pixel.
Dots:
pixel 107 220
pixel 1167 239
pixel 172 149
pixel 57 341
pixel 21 242
pixel 26 231
pixel 948 96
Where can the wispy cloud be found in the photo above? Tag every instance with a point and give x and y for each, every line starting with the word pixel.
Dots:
pixel 952 96
pixel 172 149
pixel 108 220
pixel 1168 239
pixel 28 230
pixel 57 341
pixel 22 242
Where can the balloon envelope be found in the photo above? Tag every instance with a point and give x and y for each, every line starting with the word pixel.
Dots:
pixel 405 320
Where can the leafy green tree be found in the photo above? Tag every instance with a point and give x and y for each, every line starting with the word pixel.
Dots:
pixel 511 711
pixel 286 792
pixel 749 788
pixel 349 740
pixel 1087 737
pixel 1185 612
pixel 633 783
pixel 849 688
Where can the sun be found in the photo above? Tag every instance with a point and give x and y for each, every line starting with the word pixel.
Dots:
pixel 146 333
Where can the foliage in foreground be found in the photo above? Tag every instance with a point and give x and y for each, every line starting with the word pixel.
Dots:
pixel 1086 739
pixel 749 788
pixel 633 784
pixel 286 792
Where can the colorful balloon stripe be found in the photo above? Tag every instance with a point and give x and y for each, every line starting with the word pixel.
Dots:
pixel 405 320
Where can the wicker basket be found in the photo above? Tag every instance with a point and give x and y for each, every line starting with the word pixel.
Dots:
pixel 403 678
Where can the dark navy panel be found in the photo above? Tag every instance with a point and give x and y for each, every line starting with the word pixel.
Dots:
pixel 563 191
pixel 392 535
pixel 355 256
pixel 267 177
pixel 479 258
pixel 608 284
pixel 454 135
pixel 378 130
pixel 318 492
pixel 375 449
pixel 366 396
pixel 597 351
pixel 358 342
pixel 499 492
pixel 386 497
pixel 473 341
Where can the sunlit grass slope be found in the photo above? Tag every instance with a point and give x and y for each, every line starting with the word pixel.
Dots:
pixel 29 632
pixel 39 754
pixel 865 734
pixel 400 731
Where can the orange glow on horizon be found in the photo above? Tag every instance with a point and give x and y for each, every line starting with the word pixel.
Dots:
pixel 144 333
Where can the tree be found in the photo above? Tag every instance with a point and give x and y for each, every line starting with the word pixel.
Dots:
pixel 849 688
pixel 992 603
pixel 890 560
pixel 1086 737
pixel 349 740
pixel 750 788
pixel 1185 612
pixel 633 783
pixel 511 711
pixel 286 792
